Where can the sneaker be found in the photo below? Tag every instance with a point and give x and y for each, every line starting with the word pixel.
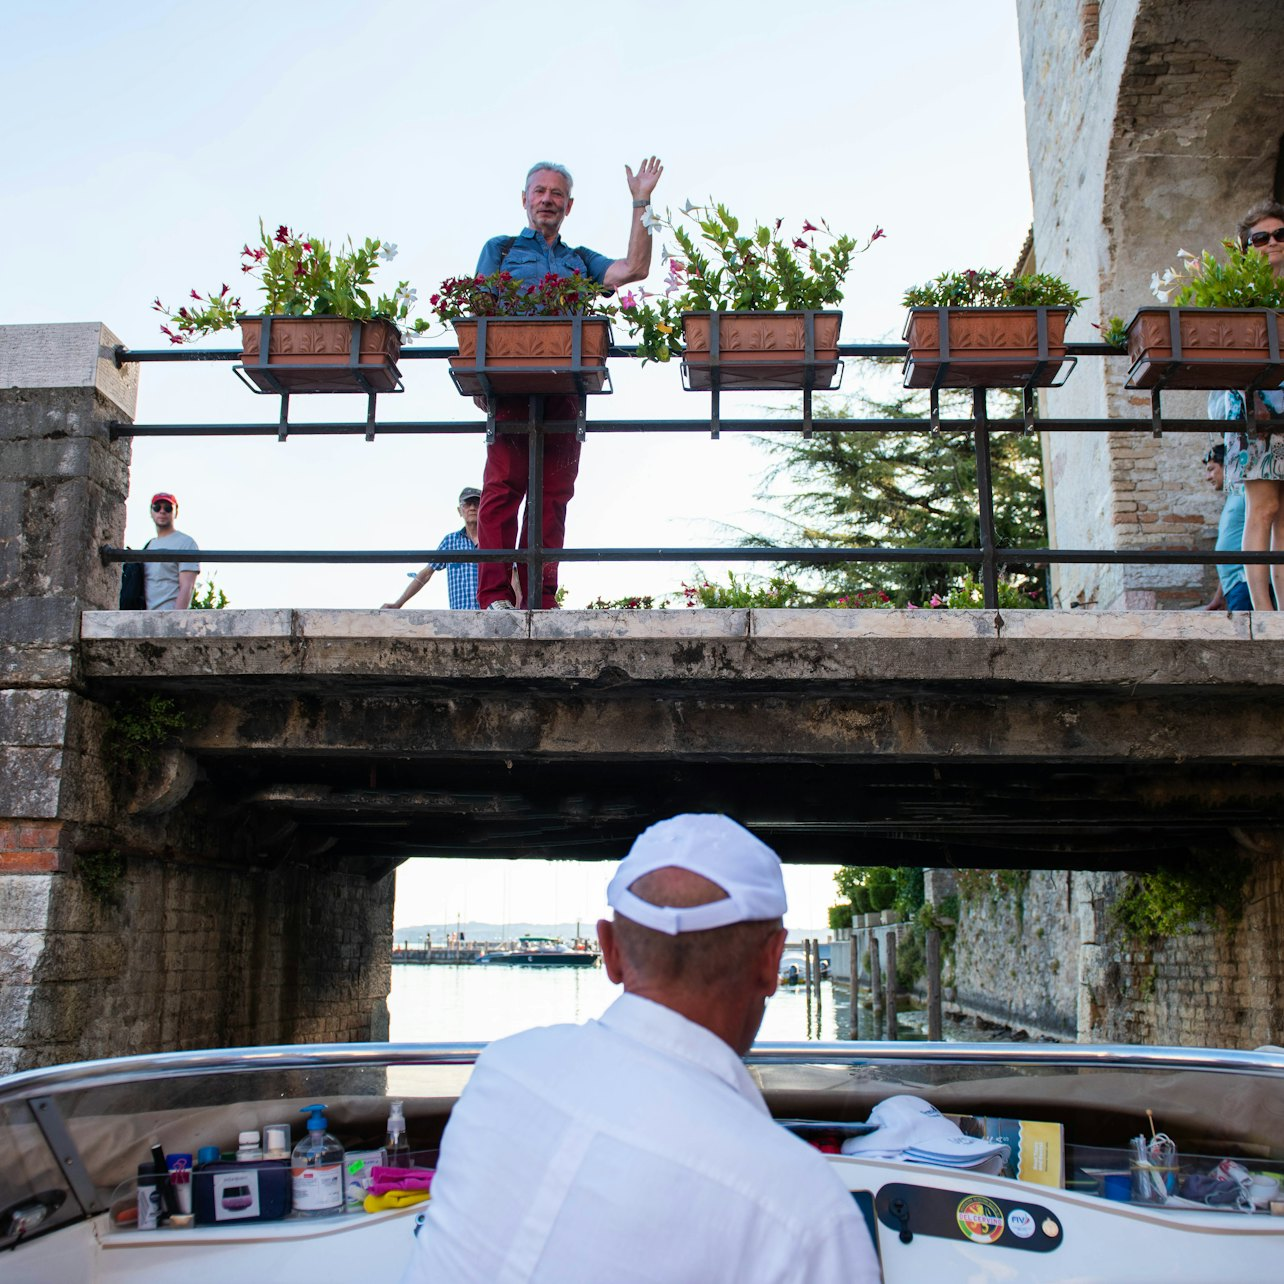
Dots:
pixel 501 604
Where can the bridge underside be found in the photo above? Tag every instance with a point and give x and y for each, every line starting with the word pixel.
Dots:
pixel 1035 740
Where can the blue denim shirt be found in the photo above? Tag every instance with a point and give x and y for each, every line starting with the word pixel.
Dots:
pixel 532 258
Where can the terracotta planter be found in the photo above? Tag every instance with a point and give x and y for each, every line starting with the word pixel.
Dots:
pixel 1204 348
pixel 526 355
pixel 760 351
pixel 315 354
pixel 987 348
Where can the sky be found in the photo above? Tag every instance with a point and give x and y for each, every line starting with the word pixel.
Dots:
pixel 145 141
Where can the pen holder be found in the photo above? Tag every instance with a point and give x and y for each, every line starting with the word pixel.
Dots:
pixel 1152 1183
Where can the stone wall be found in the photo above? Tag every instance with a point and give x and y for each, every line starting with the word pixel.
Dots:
pixel 1151 125
pixel 1050 959
pixel 139 911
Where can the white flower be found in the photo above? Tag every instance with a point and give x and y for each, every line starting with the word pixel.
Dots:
pixel 1156 288
pixel 665 253
pixel 1186 254
pixel 651 220
pixel 1169 277
pixel 976 595
pixel 687 207
pixel 388 251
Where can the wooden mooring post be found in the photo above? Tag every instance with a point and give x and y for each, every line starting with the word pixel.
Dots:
pixel 891 985
pixel 933 950
pixel 875 979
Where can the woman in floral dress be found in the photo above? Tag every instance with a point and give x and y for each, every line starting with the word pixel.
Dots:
pixel 1257 458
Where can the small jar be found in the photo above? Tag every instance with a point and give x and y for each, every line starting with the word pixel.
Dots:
pixel 248 1148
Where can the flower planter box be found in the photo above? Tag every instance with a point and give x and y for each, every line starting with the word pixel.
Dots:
pixel 320 354
pixel 1206 348
pixel 984 347
pixel 760 351
pixel 521 356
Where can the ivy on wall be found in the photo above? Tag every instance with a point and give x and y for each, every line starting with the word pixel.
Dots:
pixel 1176 901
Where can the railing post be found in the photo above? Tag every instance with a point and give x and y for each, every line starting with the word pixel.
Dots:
pixel 985 499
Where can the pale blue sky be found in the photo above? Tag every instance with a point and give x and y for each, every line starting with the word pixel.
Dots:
pixel 143 142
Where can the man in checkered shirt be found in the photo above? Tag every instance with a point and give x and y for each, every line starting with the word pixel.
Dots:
pixel 461 577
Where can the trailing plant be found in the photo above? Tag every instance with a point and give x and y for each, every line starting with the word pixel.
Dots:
pixel 1245 279
pixel 741 593
pixel 720 268
pixel 988 288
pixel 502 295
pixel 1016 594
pixel 996 886
pixel 138 729
pixel 299 276
pixel 1114 332
pixel 1178 901
pixel 101 874
pixel 643 603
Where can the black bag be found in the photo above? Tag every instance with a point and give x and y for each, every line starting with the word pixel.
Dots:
pixel 133 588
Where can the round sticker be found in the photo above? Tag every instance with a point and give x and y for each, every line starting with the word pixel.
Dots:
pixel 1020 1223
pixel 980 1219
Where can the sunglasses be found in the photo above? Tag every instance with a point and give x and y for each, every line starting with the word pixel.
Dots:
pixel 1264 238
pixel 162 508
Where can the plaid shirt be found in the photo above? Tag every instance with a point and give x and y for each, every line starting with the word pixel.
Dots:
pixel 461 577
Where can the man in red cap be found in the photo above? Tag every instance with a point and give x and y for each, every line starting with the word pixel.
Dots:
pixel 169 585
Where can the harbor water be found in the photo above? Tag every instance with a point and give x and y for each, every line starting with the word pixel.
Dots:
pixel 464 1003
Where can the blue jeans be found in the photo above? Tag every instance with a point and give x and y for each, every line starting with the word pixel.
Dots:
pixel 1238 599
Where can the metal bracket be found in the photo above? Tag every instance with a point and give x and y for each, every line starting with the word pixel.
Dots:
pixel 715 377
pixel 285 417
pixel 52 1125
pixel 1156 416
pixel 1027 409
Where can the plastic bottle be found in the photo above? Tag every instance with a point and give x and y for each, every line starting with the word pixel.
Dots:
pixel 248 1148
pixel 397 1148
pixel 316 1169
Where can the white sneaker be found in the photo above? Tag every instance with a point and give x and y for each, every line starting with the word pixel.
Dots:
pixel 502 604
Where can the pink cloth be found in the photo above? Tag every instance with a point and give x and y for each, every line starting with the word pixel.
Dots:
pixel 383 1179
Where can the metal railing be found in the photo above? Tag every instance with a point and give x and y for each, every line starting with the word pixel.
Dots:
pixel 989 556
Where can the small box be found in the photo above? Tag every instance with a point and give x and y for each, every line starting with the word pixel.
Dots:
pixel 357 1165
pixel 230 1192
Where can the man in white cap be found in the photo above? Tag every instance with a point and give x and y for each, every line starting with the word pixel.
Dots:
pixel 636 1147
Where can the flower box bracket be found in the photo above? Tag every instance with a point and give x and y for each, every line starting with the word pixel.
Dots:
pixel 938 361
pixel 531 356
pixel 814 366
pixel 536 425
pixel 370 367
pixel 1204 349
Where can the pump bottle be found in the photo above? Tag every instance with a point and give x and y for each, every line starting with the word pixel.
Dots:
pixel 316 1169
pixel 397 1148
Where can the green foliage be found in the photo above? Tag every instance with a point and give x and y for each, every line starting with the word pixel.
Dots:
pixel 719 269
pixel 1178 901
pixel 208 596
pixel 1114 331
pixel 643 603
pixel 995 885
pixel 299 276
pixel 101 873
pixel 1245 280
pixel 854 489
pixel 502 295
pixel 988 288
pixel 873 888
pixel 1013 595
pixel 138 729
pixel 840 916
pixel 743 592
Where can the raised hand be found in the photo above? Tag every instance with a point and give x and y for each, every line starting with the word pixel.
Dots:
pixel 642 184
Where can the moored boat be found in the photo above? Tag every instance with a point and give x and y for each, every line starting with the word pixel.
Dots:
pixel 542 951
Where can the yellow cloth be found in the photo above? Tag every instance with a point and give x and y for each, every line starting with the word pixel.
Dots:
pixel 394 1199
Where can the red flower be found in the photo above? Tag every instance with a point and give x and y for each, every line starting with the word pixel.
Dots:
pixel 779 221
pixel 158 306
pixel 307 245
pixel 197 297
pixel 799 243
pixel 247 267
pixel 182 312
pixel 878 233
pixel 300 270
pixel 675 266
pixel 282 234
pixel 223 291
pixel 246 252
pixel 436 298
pixel 809 226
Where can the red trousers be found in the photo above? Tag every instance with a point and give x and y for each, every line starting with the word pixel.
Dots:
pixel 504 486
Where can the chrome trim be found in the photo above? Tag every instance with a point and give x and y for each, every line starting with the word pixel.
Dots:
pixel 78 1076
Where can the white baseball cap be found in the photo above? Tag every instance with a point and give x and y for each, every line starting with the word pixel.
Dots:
pixel 716 848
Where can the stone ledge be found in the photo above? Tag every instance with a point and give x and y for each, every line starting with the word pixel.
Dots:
pixel 78 354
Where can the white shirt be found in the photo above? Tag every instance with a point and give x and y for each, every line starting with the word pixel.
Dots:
pixel 629 1149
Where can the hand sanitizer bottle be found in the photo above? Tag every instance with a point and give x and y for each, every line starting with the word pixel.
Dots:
pixel 396 1147
pixel 316 1165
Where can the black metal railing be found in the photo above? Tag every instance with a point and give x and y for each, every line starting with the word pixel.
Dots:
pixel 988 556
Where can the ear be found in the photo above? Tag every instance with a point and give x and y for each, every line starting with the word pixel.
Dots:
pixel 570 202
pixel 611 960
pixel 769 960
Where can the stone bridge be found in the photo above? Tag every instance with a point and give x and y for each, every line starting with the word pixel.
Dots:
pixel 219 870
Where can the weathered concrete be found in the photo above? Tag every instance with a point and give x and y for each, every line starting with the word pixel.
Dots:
pixel 1152 131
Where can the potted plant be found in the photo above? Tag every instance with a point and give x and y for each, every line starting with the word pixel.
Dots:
pixel 324 332
pixel 745 303
pixel 1219 328
pixel 519 338
pixel 985 329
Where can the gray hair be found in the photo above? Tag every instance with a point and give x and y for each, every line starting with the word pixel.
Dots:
pixel 557 169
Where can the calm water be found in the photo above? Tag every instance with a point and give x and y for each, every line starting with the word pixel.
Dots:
pixel 444 1003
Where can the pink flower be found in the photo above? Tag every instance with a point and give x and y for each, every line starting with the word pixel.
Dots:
pixel 223 291
pixel 627 301
pixel 247 267
pixel 197 297
pixel 307 245
pixel 936 600
pixel 158 306
pixel 909 606
pixel 878 235
pixel 247 253
pixel 799 243
pixel 809 226
pixel 282 234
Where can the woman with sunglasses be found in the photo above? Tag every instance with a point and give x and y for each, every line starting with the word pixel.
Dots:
pixel 1257 458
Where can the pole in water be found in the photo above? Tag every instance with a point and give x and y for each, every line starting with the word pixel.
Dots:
pixel 891 985
pixel 933 944
pixel 875 979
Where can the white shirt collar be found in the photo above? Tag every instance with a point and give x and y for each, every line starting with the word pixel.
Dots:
pixel 669 1032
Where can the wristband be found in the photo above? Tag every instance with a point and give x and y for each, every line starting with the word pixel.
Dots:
pixel 640 205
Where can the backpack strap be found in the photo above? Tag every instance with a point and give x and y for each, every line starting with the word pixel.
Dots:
pixel 505 251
